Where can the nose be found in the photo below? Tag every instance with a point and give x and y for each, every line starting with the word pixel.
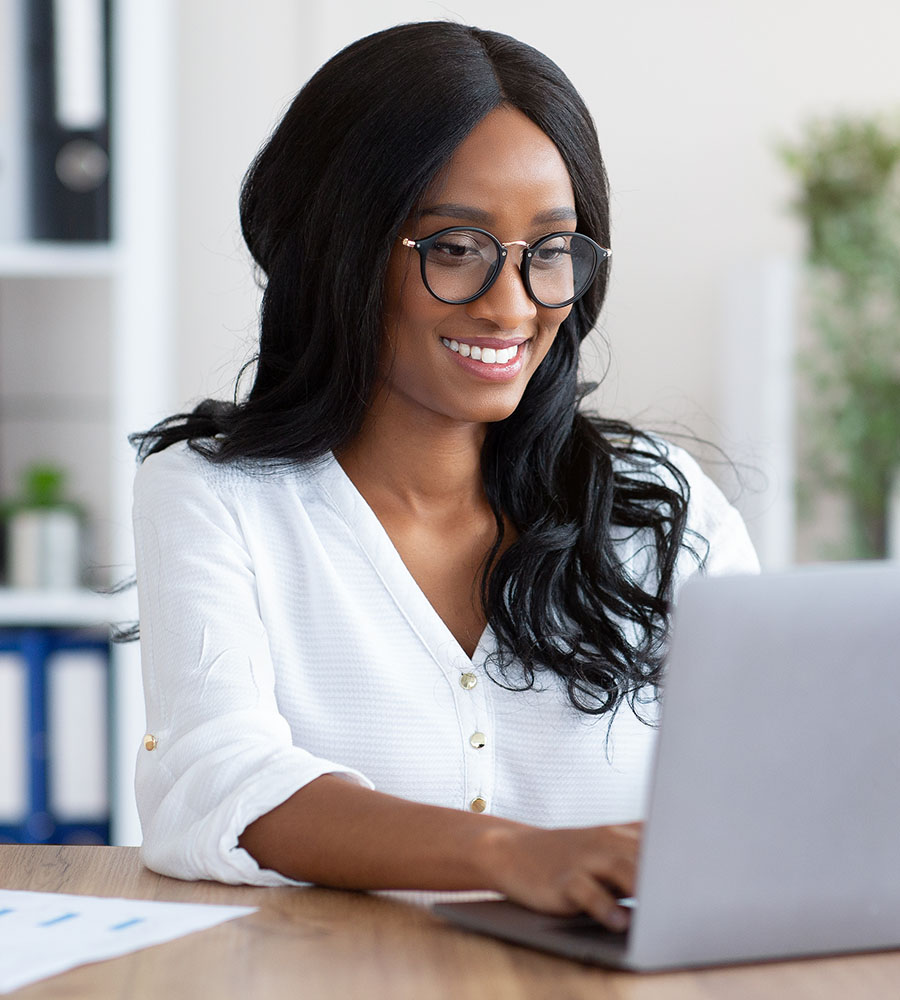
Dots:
pixel 506 303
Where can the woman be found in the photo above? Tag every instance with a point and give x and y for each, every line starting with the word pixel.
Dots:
pixel 403 608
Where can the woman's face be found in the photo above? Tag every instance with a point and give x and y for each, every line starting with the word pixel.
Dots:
pixel 506 177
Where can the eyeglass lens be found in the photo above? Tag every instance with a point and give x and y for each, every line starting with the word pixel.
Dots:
pixel 461 263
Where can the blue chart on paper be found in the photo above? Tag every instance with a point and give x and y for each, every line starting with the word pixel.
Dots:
pixel 45 933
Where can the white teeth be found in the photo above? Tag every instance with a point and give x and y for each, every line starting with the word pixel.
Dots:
pixel 486 355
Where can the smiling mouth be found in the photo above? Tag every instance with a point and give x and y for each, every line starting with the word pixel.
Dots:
pixel 486 355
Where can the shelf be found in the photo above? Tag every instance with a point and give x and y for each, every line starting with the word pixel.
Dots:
pixel 65 607
pixel 58 260
pixel 113 306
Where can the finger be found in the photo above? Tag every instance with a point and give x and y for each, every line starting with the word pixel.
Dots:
pixel 630 830
pixel 616 870
pixel 620 876
pixel 593 898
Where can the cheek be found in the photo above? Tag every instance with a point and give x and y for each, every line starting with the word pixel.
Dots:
pixel 396 283
pixel 406 299
pixel 410 316
pixel 550 322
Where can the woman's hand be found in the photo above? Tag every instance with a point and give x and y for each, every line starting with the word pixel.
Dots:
pixel 567 871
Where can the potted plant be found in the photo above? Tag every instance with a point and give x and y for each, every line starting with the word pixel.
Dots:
pixel 848 172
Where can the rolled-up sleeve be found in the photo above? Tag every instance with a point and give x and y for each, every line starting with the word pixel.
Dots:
pixel 218 753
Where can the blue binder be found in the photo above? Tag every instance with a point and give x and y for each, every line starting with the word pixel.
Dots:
pixel 54 663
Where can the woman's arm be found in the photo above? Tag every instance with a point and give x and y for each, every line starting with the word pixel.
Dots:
pixel 221 753
pixel 337 833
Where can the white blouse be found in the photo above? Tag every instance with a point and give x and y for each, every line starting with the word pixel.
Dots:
pixel 282 638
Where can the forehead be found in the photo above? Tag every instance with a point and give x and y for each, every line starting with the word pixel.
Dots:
pixel 506 160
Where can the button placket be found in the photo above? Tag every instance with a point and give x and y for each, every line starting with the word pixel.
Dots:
pixel 475 719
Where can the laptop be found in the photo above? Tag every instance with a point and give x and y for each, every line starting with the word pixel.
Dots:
pixel 773 827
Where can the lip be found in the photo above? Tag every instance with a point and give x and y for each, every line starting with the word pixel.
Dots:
pixel 490 373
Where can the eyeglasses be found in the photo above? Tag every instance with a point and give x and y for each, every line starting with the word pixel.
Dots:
pixel 458 265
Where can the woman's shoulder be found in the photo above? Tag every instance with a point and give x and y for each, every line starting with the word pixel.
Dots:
pixel 714 526
pixel 708 507
pixel 651 458
pixel 194 467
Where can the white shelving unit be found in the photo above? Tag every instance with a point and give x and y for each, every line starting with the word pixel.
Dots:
pixel 87 334
pixel 58 260
pixel 71 608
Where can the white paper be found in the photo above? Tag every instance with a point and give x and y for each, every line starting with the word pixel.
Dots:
pixel 44 933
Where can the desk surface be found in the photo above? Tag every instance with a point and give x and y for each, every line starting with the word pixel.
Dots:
pixel 319 943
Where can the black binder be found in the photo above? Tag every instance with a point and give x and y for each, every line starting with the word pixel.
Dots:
pixel 68 128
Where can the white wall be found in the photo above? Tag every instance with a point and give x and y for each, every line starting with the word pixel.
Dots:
pixel 239 66
pixel 689 100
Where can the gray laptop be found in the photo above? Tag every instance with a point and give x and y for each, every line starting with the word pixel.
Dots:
pixel 773 827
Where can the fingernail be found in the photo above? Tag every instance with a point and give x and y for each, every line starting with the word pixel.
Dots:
pixel 617 919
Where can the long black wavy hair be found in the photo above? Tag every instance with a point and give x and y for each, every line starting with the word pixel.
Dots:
pixel 321 207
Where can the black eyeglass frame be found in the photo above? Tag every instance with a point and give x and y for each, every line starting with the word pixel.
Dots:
pixel 422 246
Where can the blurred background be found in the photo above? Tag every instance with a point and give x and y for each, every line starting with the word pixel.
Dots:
pixel 711 299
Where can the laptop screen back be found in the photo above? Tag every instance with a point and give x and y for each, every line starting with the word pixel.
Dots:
pixel 775 811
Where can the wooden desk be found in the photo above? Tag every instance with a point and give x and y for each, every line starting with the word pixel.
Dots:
pixel 317 943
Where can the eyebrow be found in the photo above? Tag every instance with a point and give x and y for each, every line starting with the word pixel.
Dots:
pixel 450 210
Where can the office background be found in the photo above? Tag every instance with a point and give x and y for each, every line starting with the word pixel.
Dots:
pixel 706 299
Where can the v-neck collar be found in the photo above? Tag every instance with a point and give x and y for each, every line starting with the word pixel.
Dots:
pixel 392 570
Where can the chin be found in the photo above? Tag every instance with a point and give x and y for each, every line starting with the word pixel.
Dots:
pixel 490 412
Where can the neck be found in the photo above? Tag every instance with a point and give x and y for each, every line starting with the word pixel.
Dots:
pixel 425 463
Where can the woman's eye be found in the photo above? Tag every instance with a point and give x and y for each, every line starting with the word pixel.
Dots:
pixel 453 249
pixel 551 255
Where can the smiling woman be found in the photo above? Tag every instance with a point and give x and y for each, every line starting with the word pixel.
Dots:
pixel 404 607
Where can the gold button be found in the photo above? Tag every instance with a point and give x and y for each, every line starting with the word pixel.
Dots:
pixel 149 742
pixel 478 804
pixel 468 681
pixel 477 740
